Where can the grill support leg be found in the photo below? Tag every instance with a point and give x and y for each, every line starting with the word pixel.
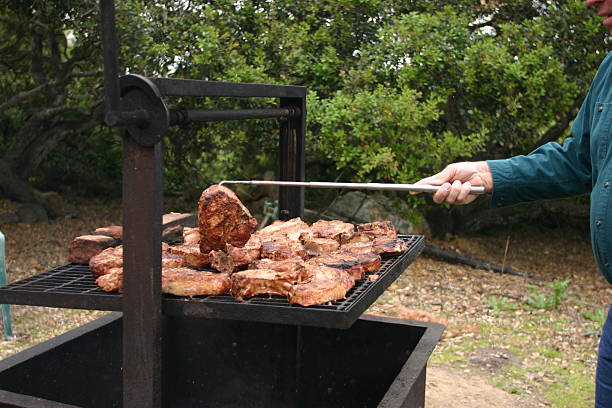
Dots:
pixel 142 312
pixel 292 159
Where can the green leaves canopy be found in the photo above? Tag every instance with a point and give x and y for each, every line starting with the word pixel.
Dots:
pixel 397 89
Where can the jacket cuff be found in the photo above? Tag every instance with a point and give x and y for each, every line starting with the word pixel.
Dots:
pixel 503 185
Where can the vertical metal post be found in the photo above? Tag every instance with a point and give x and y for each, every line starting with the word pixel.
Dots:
pixel 142 306
pixel 6 311
pixel 110 52
pixel 292 160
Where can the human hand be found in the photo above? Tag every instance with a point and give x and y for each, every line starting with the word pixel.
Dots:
pixel 456 180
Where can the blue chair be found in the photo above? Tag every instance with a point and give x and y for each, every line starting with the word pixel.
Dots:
pixel 6 310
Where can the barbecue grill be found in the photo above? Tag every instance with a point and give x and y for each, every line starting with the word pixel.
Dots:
pixel 171 332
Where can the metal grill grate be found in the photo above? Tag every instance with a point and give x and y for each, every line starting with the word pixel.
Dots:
pixel 74 286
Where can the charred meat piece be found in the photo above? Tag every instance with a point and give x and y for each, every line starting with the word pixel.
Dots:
pixel 389 246
pixel 358 265
pixel 112 258
pixel 247 254
pixel 378 229
pixel 359 247
pixel 338 230
pixel 174 281
pixel 189 282
pixel 191 236
pixel 222 262
pixel 102 263
pixel 320 246
pixel 85 247
pixel 263 282
pixel 284 265
pixel 291 230
pixel 358 238
pixel 223 219
pixel 112 281
pixel 169 260
pixel 324 285
pixel 191 255
pixel 280 248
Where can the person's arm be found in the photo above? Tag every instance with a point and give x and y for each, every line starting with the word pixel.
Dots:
pixel 550 171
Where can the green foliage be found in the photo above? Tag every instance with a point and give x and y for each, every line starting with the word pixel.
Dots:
pixel 498 304
pixel 384 134
pixel 597 315
pixel 549 299
pixel 396 89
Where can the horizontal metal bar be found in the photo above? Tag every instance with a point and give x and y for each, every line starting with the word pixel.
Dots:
pixel 180 116
pixel 356 186
pixel 139 117
pixel 194 87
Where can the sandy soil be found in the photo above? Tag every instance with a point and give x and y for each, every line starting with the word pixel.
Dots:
pixel 448 387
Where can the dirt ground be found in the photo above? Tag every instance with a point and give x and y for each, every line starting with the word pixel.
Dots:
pixel 448 387
pixel 492 354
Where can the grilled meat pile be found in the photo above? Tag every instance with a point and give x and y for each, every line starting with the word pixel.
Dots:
pixel 308 264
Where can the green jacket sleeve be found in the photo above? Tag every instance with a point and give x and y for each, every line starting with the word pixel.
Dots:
pixel 550 171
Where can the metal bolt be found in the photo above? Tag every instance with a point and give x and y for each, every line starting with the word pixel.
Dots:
pixel 606 184
pixel 601 108
pixel 599 223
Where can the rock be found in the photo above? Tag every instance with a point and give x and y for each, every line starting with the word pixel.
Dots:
pixel 32 213
pixel 359 206
pixel 55 204
pixel 9 218
pixel 82 248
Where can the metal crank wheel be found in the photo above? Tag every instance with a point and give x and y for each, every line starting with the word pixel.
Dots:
pixel 142 110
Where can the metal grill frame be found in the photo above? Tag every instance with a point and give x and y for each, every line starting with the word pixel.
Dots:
pixel 73 286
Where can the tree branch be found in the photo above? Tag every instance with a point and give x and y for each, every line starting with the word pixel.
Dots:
pixel 21 96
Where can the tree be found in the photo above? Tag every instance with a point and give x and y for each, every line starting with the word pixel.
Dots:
pixel 397 89
pixel 45 86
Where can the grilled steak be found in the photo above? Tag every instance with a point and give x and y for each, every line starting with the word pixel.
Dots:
pixel 223 219
pixel 102 263
pixel 189 282
pixel 111 281
pixel 222 262
pixel 111 258
pixel 320 246
pixel 280 248
pixel 324 285
pixel 191 255
pixel 284 265
pixel 247 254
pixel 358 265
pixel 175 281
pixel 191 236
pixel 359 247
pixel 358 238
pixel 291 230
pixel 378 229
pixel 338 230
pixel 389 246
pixel 263 282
